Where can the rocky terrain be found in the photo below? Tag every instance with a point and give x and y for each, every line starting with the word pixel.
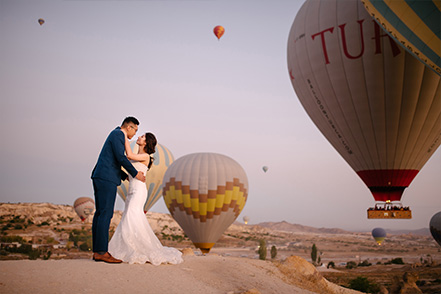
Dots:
pixel 404 261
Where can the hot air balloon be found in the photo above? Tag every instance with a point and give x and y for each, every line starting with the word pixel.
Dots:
pixel 205 192
pixel 218 31
pixel 414 24
pixel 377 105
pixel 162 160
pixel 265 168
pixel 84 206
pixel 379 234
pixel 435 227
pixel 41 21
pixel 246 219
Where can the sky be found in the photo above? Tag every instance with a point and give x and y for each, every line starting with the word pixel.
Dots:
pixel 66 84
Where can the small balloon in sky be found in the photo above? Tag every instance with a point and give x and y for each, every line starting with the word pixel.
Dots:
pixel 41 21
pixel 265 168
pixel 218 31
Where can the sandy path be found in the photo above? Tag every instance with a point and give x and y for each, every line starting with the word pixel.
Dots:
pixel 198 274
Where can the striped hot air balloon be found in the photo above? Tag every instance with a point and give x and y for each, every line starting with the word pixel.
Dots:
pixel 377 104
pixel 163 158
pixel 205 193
pixel 218 31
pixel 84 206
pixel 415 25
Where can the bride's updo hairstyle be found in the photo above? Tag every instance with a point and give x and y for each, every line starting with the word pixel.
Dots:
pixel 150 144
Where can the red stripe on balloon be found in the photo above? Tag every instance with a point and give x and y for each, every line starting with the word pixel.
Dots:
pixel 387 184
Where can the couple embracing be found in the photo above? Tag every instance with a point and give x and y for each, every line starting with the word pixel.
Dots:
pixel 133 241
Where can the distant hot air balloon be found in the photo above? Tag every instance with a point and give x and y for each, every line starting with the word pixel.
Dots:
pixel 84 206
pixel 41 21
pixel 414 24
pixel 246 219
pixel 379 235
pixel 219 31
pixel 265 168
pixel 162 160
pixel 376 104
pixel 205 192
pixel 435 227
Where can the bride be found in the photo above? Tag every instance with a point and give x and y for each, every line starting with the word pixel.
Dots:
pixel 134 240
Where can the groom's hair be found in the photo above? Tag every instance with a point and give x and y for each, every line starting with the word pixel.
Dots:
pixel 130 119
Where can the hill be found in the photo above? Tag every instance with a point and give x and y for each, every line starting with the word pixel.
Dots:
pixel 296 228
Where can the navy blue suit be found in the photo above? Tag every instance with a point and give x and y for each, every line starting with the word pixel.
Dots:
pixel 106 177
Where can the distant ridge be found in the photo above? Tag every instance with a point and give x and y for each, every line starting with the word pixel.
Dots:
pixel 285 226
pixel 419 232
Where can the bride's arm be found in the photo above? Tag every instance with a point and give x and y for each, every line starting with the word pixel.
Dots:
pixel 133 156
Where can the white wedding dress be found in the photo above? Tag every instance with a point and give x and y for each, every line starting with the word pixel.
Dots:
pixel 134 240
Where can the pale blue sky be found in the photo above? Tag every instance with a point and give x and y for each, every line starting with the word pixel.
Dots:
pixel 65 85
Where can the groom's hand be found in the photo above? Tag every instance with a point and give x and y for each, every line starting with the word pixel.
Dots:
pixel 140 176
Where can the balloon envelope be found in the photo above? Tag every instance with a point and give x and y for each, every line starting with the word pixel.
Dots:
pixel 218 31
pixel 41 21
pixel 415 25
pixel 435 227
pixel 265 168
pixel 246 219
pixel 379 234
pixel 84 206
pixel 376 104
pixel 163 158
pixel 205 192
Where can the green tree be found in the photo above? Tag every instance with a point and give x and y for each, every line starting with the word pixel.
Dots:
pixel 365 263
pixel 364 285
pixel 397 260
pixel 351 264
pixel 331 264
pixel 262 249
pixel 314 254
pixel 273 252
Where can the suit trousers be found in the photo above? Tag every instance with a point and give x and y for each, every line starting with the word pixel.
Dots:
pixel 105 196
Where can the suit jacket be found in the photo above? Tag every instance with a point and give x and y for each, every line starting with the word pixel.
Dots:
pixel 111 158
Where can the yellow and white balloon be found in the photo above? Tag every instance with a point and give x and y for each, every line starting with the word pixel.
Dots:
pixel 205 193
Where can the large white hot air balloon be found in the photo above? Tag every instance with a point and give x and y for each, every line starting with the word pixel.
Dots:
pixel 377 105
pixel 205 193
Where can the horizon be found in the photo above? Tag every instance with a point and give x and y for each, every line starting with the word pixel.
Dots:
pixel 239 222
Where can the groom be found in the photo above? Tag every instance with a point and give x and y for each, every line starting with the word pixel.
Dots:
pixel 106 177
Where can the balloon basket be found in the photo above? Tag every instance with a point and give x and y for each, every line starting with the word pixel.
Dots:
pixel 389 210
pixel 204 247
